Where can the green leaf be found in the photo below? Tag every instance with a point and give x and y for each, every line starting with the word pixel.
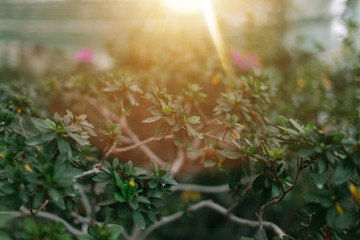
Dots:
pixel 297 125
pixel 50 124
pixel 343 172
pixel 54 194
pixel 4 219
pixel 4 236
pixel 84 237
pixel 338 137
pixel 231 154
pixel 259 183
pixel 119 197
pixel 260 235
pixel 40 125
pixel 63 145
pixel 115 232
pixel 138 219
pixel 107 202
pixel 193 132
pixel 134 204
pixel 161 131
pixel 34 140
pixel 152 119
pixel 82 141
pixel 282 120
pixel 142 199
pixel 169 180
pixel 194 119
pixel 46 137
pixel 152 184
pixel 152 217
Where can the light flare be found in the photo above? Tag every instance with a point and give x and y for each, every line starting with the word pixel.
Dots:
pixel 207 9
pixel 213 26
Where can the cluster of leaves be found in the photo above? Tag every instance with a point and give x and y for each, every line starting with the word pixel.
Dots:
pixel 103 232
pixel 124 90
pixel 245 104
pixel 174 117
pixel 134 191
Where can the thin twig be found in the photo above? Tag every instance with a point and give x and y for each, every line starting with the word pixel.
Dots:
pixel 138 144
pixel 201 188
pixel 50 216
pixel 210 204
pixel 300 167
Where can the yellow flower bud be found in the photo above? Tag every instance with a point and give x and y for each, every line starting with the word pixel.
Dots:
pixel 27 167
pixel 339 209
pixel 2 155
pixel 132 183
pixel 354 191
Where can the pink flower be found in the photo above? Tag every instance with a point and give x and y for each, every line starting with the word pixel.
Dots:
pixel 245 61
pixel 85 55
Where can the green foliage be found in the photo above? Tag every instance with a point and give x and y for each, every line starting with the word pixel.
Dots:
pixel 135 191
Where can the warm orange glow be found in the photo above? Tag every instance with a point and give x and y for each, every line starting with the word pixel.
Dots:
pixel 212 24
pixel 207 9
pixel 183 6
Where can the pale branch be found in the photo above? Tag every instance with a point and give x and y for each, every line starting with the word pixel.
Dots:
pixel 178 162
pixel 124 125
pixel 201 188
pixel 218 208
pixel 138 144
pixel 86 203
pixel 87 220
pixel 23 212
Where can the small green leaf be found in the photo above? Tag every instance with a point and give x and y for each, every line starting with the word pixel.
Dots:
pixel 50 124
pixel 107 202
pixel 152 119
pixel 142 199
pixel 161 131
pixel 194 119
pixel 54 194
pixel 34 140
pixel 63 145
pixel 138 219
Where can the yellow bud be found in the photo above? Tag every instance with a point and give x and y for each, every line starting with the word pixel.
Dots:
pixel 339 209
pixel 301 82
pixel 190 195
pixel 90 159
pixel 354 191
pixel 215 80
pixel 132 183
pixel 18 110
pixel 2 155
pixel 27 167
pixel 326 82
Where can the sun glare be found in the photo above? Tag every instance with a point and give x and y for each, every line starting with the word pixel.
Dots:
pixel 206 8
pixel 183 6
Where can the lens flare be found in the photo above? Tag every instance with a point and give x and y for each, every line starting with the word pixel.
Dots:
pixel 183 6
pixel 212 24
pixel 207 9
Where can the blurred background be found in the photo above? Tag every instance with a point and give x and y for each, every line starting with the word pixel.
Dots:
pixel 36 33
pixel 53 50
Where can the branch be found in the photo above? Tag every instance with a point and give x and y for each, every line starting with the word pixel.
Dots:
pixel 86 204
pixel 124 125
pixel 178 162
pixel 300 167
pixel 218 208
pixel 138 144
pixel 201 188
pixel 50 216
